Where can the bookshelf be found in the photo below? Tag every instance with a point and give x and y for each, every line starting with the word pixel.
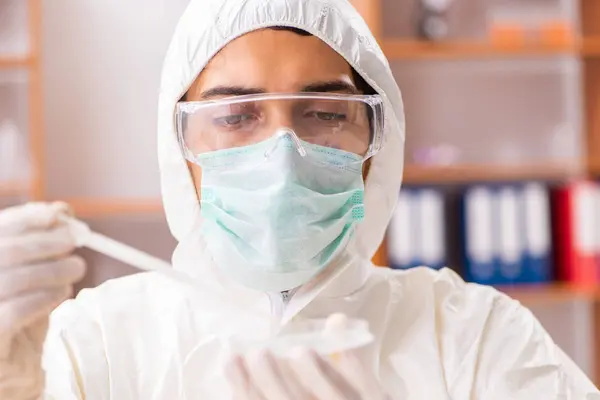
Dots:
pixel 472 44
pixel 586 48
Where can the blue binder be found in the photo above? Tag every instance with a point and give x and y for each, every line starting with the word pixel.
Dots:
pixel 416 235
pixel 400 235
pixel 431 228
pixel 536 225
pixel 509 235
pixel 480 257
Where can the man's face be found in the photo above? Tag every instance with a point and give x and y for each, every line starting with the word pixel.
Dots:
pixel 270 61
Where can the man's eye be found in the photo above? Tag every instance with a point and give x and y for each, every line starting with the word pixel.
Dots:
pixel 232 120
pixel 327 116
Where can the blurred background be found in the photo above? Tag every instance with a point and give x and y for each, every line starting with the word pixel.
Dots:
pixel 502 152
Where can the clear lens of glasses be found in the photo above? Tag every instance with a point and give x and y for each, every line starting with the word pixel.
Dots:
pixel 351 123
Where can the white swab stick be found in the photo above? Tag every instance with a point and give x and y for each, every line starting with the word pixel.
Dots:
pixel 84 236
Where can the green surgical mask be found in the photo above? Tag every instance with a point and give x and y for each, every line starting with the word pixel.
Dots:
pixel 274 216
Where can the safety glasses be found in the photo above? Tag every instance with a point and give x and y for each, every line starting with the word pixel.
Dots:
pixel 327 121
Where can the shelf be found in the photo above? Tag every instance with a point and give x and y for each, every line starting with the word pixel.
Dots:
pixel 15 62
pixel 105 207
pixel 472 173
pixel 591 47
pixel 551 293
pixel 14 188
pixel 396 49
pixel 594 169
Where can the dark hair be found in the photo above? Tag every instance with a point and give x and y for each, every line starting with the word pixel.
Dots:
pixel 359 81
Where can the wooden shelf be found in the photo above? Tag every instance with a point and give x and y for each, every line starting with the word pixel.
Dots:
pixel 15 62
pixel 397 49
pixel 551 293
pixel 106 207
pixel 591 47
pixel 14 188
pixel 472 173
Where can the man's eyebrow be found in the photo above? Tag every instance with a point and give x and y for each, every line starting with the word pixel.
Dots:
pixel 331 86
pixel 229 91
pixel 317 87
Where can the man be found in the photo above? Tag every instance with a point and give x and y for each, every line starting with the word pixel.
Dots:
pixel 281 133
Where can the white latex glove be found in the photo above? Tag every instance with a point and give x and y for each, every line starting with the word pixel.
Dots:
pixel 307 376
pixel 37 271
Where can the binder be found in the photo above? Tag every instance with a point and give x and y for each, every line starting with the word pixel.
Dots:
pixel 479 258
pixel 431 228
pixel 508 235
pixel 400 244
pixel 575 232
pixel 416 234
pixel 537 227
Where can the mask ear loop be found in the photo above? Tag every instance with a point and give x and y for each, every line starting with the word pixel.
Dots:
pixel 292 136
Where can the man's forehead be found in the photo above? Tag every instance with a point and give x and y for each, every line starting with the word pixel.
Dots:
pixel 277 61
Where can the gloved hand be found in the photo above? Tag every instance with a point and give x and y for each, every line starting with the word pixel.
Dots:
pixel 307 376
pixel 37 271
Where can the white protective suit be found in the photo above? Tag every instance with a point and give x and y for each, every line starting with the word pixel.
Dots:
pixel 143 337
